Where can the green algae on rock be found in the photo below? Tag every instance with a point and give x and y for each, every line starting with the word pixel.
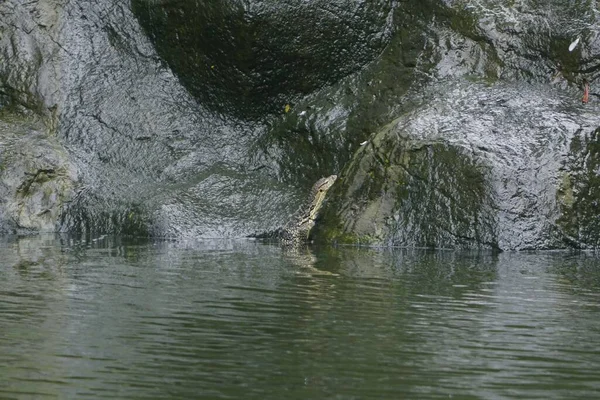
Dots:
pixel 37 180
pixel 404 192
pixel 578 194
pixel 473 167
pixel 172 114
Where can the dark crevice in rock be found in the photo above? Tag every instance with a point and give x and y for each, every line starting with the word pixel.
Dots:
pixel 198 119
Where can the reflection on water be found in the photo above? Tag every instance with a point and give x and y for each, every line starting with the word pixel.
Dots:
pixel 242 319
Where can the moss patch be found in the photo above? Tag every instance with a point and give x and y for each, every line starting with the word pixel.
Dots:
pixel 398 191
pixel 578 195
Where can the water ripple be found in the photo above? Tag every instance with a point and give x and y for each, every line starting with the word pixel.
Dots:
pixel 159 320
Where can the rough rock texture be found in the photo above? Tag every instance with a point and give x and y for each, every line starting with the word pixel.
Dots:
pixel 508 165
pixel 211 119
pixel 150 158
pixel 251 58
pixel 475 166
pixel 36 179
pixel 579 191
pixel 37 176
pixel 30 55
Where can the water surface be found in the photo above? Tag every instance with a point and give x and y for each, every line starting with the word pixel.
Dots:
pixel 241 319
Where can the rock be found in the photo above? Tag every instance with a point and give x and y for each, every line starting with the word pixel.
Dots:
pixel 251 58
pixel 509 167
pixel 30 71
pixel 150 158
pixel 202 119
pixel 37 180
pixel 578 192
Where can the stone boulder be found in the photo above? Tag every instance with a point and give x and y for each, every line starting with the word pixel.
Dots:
pixel 37 179
pixel 503 166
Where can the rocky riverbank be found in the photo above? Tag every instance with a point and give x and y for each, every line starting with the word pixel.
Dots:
pixel 188 120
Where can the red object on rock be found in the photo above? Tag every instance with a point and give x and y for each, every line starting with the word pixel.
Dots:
pixel 586 93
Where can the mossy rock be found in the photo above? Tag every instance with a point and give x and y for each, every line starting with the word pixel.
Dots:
pixel 578 194
pixel 411 193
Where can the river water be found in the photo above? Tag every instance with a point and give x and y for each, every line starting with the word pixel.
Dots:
pixel 247 320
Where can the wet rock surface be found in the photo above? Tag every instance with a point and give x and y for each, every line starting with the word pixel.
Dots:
pixel 190 119
pixel 151 159
pixel 475 166
pixel 251 58
pixel 37 179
